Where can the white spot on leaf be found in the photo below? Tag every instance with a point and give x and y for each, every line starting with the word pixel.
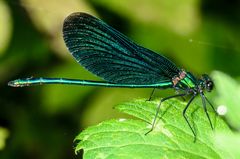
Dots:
pixel 222 110
pixel 122 119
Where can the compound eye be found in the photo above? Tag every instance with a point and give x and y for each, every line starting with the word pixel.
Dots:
pixel 209 86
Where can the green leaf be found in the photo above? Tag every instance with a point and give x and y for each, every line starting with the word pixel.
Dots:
pixel 4 133
pixel 228 91
pixel 229 143
pixel 171 137
pixel 5 27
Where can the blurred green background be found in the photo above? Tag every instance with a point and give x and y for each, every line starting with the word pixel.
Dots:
pixel 42 121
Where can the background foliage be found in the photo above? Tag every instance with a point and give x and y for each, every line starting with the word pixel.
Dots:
pixel 41 122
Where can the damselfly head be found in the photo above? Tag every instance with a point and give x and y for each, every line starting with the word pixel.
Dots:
pixel 207 82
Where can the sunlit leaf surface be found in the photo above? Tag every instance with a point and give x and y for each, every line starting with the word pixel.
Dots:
pixel 4 133
pixel 228 96
pixel 171 138
pixel 5 26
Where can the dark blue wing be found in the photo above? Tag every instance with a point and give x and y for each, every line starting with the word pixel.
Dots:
pixel 109 54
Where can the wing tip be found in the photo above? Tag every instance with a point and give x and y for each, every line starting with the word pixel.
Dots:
pixel 74 16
